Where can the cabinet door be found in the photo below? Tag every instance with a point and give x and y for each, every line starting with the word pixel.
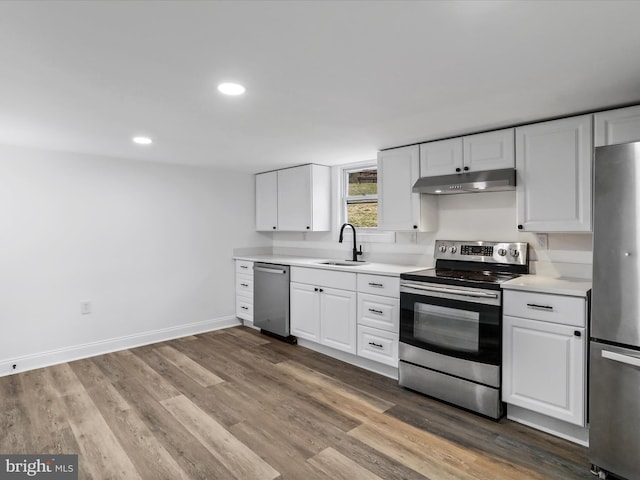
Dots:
pixel 544 368
pixel 618 126
pixel 267 201
pixel 443 157
pixel 338 327
pixel 489 151
pixel 553 163
pixel 294 199
pixel 398 206
pixel 304 307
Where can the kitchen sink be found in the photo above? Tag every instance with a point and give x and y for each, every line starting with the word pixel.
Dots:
pixel 343 263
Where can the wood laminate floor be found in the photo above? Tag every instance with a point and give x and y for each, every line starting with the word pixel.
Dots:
pixel 234 404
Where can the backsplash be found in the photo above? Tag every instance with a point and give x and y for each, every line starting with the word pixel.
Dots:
pixel 478 216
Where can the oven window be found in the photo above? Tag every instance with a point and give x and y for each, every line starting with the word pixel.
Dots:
pixel 462 329
pixel 446 327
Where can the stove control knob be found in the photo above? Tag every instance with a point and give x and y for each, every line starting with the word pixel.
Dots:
pixel 452 249
pixel 442 248
pixel 502 252
pixel 515 252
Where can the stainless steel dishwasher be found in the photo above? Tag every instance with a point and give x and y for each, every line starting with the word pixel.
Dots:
pixel 271 298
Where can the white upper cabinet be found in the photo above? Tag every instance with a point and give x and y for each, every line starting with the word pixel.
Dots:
pixel 483 151
pixel 300 197
pixel 267 201
pixel 489 151
pixel 618 126
pixel 553 168
pixel 441 157
pixel 400 209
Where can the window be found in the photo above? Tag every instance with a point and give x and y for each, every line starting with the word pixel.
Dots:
pixel 360 195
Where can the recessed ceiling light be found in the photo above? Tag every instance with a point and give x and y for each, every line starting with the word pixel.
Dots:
pixel 231 88
pixel 142 140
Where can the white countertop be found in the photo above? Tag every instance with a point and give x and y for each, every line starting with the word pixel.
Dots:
pixel 370 267
pixel 576 287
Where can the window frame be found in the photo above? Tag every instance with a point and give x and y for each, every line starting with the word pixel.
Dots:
pixel 344 193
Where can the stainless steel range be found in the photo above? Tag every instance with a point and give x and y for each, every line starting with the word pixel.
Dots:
pixel 451 323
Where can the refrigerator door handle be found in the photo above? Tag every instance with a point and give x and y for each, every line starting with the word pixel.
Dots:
pixel 618 357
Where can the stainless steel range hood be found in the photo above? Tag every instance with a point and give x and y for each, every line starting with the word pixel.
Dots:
pixel 468 182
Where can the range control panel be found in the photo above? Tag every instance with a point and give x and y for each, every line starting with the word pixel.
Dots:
pixel 514 253
pixel 483 250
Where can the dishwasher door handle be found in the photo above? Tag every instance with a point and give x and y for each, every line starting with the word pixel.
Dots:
pixel 270 270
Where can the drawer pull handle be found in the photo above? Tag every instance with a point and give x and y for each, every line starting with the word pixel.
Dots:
pixel 379 285
pixel 373 310
pixel 535 306
pixel 244 266
pixel 245 308
pixel 244 285
pixel 373 344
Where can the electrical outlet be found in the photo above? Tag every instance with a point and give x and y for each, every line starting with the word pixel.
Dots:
pixel 85 308
pixel 543 241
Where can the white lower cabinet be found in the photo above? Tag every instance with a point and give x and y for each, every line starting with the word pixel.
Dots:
pixel 358 322
pixel 378 345
pixel 378 318
pixel 379 312
pixel 323 314
pixel 544 362
pixel 244 290
pixel 305 311
pixel 338 319
pixel 544 368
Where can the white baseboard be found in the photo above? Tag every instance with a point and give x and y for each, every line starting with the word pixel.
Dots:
pixel 249 323
pixel 365 363
pixel 77 352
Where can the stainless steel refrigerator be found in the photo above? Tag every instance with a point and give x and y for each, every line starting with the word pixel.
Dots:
pixel 614 357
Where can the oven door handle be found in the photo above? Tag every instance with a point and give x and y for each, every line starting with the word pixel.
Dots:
pixel 452 291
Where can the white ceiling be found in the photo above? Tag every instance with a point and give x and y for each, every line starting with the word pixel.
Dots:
pixel 327 82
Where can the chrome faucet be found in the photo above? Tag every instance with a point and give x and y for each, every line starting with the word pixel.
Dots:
pixel 355 250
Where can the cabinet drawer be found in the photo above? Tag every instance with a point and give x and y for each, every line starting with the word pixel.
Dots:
pixel 244 267
pixel 559 309
pixel 244 308
pixel 378 345
pixel 244 285
pixel 324 278
pixel 379 285
pixel 379 312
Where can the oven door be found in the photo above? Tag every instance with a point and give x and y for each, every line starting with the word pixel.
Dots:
pixel 454 321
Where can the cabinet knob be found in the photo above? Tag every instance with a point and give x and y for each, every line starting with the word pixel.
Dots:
pixel 321 290
pixel 520 227
pixel 466 169
pixel 315 289
pixel 415 227
pixel 458 169
pixel 274 228
pixel 577 333
pixel 308 227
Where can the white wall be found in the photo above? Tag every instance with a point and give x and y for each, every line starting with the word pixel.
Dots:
pixel 149 245
pixel 478 216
